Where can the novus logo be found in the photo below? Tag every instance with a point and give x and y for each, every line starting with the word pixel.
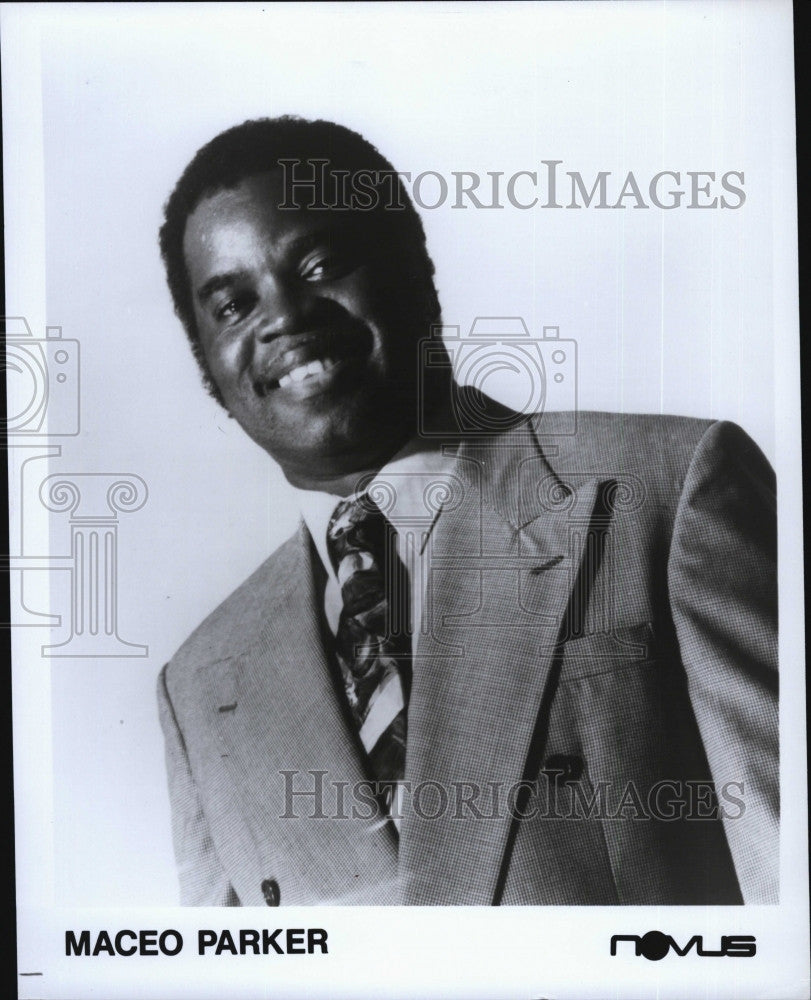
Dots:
pixel 655 945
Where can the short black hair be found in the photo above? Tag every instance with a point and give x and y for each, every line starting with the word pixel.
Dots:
pixel 256 146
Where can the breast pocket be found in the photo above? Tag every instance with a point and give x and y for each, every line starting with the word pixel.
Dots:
pixel 598 653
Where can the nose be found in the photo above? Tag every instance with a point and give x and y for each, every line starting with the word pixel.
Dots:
pixel 284 307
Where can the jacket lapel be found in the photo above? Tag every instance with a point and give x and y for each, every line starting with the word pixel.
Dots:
pixel 503 564
pixel 276 710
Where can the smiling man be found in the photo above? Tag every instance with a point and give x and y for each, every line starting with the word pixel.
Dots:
pixel 498 662
pixel 309 324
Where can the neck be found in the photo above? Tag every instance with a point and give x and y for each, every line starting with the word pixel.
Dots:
pixel 340 485
pixel 437 424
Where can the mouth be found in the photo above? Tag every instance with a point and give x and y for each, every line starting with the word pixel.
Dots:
pixel 301 373
pixel 309 363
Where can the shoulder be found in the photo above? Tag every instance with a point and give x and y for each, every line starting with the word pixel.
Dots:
pixel 647 445
pixel 234 624
pixel 642 440
pixel 668 455
pixel 579 436
pixel 634 438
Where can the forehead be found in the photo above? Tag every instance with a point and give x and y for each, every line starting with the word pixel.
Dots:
pixel 247 218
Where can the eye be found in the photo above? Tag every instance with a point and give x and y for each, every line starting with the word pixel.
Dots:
pixel 328 264
pixel 234 307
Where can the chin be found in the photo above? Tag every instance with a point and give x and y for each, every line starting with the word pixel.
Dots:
pixel 342 454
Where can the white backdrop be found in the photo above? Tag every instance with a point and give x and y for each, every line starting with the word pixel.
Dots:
pixel 673 311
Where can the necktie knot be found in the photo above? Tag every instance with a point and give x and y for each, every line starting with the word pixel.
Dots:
pixel 357 526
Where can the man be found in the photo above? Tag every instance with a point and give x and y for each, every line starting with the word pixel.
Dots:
pixel 499 663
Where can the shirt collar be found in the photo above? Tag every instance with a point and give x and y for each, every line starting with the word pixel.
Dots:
pixel 403 488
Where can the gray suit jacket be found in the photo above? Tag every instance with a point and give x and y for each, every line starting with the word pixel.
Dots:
pixel 593 718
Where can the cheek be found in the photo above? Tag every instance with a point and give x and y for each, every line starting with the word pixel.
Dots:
pixel 388 298
pixel 224 355
pixel 363 294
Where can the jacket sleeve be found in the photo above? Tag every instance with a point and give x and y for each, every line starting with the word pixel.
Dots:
pixel 722 578
pixel 203 881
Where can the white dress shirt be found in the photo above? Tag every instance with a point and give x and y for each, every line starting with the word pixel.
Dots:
pixel 410 490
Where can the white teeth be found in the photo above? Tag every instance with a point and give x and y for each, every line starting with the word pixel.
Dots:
pixel 301 372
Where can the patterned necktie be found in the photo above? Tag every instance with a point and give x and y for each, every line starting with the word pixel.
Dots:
pixel 373 647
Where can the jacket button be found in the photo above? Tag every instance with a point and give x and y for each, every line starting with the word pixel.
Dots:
pixel 561 768
pixel 270 890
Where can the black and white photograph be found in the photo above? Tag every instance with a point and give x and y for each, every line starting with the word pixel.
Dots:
pixel 405 490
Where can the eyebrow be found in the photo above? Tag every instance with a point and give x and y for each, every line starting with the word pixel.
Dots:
pixel 324 234
pixel 218 283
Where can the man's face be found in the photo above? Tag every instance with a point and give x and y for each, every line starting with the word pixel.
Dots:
pixel 309 325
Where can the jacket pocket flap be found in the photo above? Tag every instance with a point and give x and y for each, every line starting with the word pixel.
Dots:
pixel 624 646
